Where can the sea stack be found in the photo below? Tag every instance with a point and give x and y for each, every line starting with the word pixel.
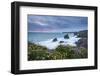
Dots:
pixel 66 36
pixel 54 40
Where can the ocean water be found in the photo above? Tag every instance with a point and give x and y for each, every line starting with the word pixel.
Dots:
pixel 38 36
pixel 46 39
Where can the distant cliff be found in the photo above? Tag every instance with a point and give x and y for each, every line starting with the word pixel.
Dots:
pixel 84 38
pixel 82 34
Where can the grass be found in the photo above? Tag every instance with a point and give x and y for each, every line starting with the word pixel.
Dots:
pixel 37 52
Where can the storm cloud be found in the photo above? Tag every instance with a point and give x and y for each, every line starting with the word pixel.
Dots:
pixel 45 23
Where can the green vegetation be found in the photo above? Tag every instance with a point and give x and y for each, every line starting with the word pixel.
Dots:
pixel 83 53
pixel 37 52
pixel 65 51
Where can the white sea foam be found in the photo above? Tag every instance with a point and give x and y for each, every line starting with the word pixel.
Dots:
pixel 52 45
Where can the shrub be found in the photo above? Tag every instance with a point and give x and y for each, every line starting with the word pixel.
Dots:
pixel 37 52
pixel 37 55
pixel 66 51
pixel 83 53
pixel 80 52
pixel 55 55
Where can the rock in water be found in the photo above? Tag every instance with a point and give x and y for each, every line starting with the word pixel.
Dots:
pixel 54 40
pixel 66 36
pixel 61 42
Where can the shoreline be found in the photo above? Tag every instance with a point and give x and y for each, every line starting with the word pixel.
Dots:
pixel 52 45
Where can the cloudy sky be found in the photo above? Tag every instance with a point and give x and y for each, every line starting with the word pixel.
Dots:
pixel 41 23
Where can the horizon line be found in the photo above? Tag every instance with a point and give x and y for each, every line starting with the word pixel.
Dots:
pixel 56 31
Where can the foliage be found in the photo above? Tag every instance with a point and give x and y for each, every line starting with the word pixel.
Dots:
pixel 83 53
pixel 66 51
pixel 55 55
pixel 37 52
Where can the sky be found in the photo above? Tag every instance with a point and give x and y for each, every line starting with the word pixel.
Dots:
pixel 47 23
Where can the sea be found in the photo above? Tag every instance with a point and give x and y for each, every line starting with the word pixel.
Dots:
pixel 44 36
pixel 46 39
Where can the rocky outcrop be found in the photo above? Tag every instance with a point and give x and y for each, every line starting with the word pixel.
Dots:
pixel 82 43
pixel 61 42
pixel 75 33
pixel 54 40
pixel 66 36
pixel 82 34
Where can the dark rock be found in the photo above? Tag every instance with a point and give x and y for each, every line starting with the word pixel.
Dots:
pixel 82 43
pixel 61 42
pixel 75 33
pixel 54 40
pixel 66 36
pixel 82 34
